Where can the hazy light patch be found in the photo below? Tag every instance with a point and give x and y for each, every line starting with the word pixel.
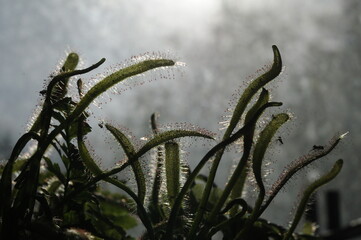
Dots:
pixel 193 18
pixel 252 5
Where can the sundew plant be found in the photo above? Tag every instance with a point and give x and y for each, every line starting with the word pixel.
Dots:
pixel 45 199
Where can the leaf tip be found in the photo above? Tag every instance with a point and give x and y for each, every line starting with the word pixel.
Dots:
pixel 343 135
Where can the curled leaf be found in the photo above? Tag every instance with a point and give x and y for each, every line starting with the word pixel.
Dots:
pixel 253 88
pixel 262 145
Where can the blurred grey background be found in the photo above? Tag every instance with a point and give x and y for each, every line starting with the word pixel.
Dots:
pixel 223 44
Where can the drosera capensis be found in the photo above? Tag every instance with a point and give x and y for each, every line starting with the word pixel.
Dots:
pixel 171 199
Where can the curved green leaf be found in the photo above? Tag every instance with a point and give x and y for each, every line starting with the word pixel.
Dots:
pixel 308 192
pixel 239 171
pixel 258 155
pixel 299 164
pixel 6 177
pixel 103 86
pixel 157 140
pixel 262 145
pixel 253 88
pixel 130 152
pixel 168 136
pixel 84 153
pixel 241 174
pixel 122 140
pixel 115 78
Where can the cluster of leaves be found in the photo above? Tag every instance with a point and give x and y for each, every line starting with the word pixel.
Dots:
pixel 41 200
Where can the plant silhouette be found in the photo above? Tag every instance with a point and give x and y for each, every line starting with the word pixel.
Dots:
pixel 41 200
